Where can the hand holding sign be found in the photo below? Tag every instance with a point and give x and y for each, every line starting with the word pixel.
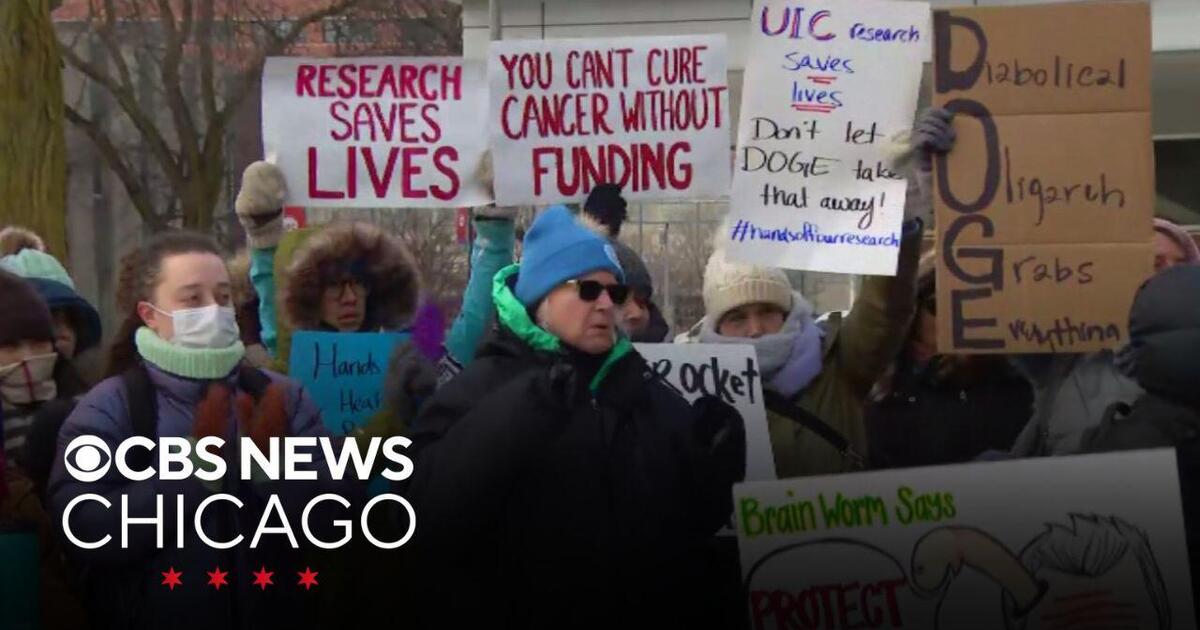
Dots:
pixel 727 372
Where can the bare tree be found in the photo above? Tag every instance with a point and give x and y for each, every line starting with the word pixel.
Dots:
pixel 430 236
pixel 33 160
pixel 177 72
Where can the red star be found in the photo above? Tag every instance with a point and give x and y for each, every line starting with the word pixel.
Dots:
pixel 262 578
pixel 171 578
pixel 308 579
pixel 216 579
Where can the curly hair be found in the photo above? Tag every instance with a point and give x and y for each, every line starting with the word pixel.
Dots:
pixel 136 281
pixel 352 251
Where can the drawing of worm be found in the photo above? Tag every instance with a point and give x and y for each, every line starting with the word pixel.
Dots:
pixel 940 555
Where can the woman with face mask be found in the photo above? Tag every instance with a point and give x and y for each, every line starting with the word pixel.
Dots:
pixel 33 378
pixel 179 363
pixel 31 370
pixel 557 465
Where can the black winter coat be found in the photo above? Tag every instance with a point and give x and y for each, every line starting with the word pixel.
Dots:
pixel 1164 354
pixel 927 419
pixel 542 502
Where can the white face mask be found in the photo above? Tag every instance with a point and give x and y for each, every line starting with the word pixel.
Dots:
pixel 211 327
pixel 29 381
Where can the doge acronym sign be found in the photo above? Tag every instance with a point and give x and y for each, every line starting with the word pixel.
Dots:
pixel 1044 205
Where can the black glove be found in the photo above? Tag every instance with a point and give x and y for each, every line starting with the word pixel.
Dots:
pixel 411 378
pixel 720 433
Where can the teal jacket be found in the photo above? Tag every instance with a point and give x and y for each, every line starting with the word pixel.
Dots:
pixel 262 276
pixel 492 251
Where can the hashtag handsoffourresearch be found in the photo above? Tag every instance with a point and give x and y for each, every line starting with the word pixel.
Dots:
pixel 809 233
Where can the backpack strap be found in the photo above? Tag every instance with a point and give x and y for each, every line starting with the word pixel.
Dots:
pixel 779 404
pixel 143 402
pixel 143 410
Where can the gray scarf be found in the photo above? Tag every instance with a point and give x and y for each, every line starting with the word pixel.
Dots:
pixel 789 359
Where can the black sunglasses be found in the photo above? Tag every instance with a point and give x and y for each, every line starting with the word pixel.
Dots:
pixel 590 290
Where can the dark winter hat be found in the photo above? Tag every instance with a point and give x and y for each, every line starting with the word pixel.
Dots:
pixel 26 316
pixel 636 274
pixel 84 317
pixel 1164 333
pixel 608 206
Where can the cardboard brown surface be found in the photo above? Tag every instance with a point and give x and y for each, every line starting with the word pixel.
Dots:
pixel 1077 285
pixel 1041 58
pixel 1062 178
pixel 1047 257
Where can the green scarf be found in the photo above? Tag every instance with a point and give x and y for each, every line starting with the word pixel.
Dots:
pixel 512 315
pixel 197 363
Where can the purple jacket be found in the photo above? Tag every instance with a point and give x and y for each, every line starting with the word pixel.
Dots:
pixel 125 585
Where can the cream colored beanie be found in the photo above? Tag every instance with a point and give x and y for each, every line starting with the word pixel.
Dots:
pixel 728 285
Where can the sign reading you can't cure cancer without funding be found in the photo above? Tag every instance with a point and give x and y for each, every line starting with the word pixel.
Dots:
pixel 650 114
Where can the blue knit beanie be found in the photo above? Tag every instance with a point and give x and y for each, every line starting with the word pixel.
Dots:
pixel 557 249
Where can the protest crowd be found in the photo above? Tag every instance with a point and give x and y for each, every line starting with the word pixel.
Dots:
pixel 559 480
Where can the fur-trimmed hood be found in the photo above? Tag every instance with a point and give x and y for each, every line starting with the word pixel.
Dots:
pixel 379 260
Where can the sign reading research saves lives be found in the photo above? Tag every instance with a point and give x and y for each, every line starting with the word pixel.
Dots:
pixel 376 132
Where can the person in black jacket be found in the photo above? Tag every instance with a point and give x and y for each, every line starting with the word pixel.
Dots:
pixel 558 482
pixel 1163 356
pixel 931 409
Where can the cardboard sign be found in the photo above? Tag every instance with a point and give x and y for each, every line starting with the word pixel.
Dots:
pixel 828 85
pixel 1044 206
pixel 971 547
pixel 343 373
pixel 376 132
pixel 726 371
pixel 648 113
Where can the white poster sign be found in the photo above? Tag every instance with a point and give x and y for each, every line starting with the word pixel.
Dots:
pixel 376 132
pixel 729 372
pixel 1092 541
pixel 650 114
pixel 828 84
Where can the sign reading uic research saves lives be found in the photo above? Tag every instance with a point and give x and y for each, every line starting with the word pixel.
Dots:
pixel 828 87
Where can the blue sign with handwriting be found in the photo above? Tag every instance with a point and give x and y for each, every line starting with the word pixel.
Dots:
pixel 343 373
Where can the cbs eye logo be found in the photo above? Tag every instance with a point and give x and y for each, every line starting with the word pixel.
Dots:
pixel 87 458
